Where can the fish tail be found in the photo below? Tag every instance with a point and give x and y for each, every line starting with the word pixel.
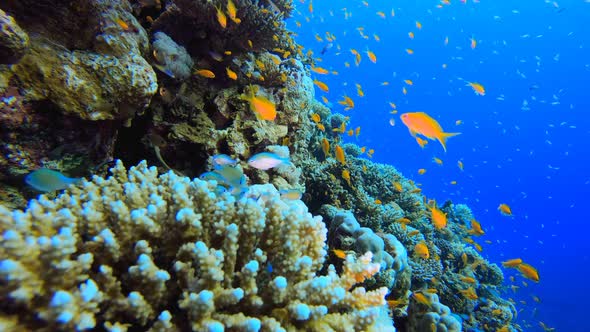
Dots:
pixel 443 139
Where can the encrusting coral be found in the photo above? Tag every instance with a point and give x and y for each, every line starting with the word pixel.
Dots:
pixel 166 253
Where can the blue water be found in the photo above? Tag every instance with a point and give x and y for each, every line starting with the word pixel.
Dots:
pixel 535 160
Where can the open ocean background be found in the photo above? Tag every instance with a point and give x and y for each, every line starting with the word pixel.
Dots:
pixel 525 143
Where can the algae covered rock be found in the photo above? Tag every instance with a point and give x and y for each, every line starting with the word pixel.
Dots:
pixel 93 67
pixel 14 41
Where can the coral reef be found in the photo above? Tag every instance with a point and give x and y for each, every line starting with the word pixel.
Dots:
pixel 437 317
pixel 14 41
pixel 167 253
pixel 107 78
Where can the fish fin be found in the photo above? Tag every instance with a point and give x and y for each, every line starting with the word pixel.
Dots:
pixel 443 139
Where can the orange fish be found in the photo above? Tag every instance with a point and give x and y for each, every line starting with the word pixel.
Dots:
pixel 505 209
pixel 512 262
pixel 409 51
pixel 460 164
pixel 421 250
pixel 122 24
pixel 469 280
pixel 421 142
pixel 323 86
pixel 475 228
pixel 477 88
pixel 411 35
pixel 232 12
pixel 349 103
pixel 205 73
pixel 421 298
pixel 421 123
pixel 409 82
pixel 418 25
pixel 221 18
pixel 421 171
pixel 439 218
pixel 437 161
pixel 316 117
pixel 231 74
pixel 325 147
pixel 339 253
pixel 528 272
pixel 398 186
pixel 469 293
pixel 340 155
pixel 473 43
pixel 346 176
pixel 320 70
pixel 263 108
pixel 372 56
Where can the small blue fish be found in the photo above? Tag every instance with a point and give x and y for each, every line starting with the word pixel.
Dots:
pixel 48 180
pixel 223 159
pixel 267 160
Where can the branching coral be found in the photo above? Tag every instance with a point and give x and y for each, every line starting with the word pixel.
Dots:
pixel 167 253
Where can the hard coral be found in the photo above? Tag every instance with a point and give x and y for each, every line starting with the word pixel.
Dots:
pixel 163 252
pixel 14 41
pixel 106 76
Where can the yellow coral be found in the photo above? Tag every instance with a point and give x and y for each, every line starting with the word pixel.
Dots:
pixel 169 253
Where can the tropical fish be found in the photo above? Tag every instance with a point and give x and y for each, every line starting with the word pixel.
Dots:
pixel 421 123
pixel 421 142
pixel 505 209
pixel 232 12
pixel 223 159
pixel 122 24
pixel 477 88
pixel 48 180
pixel 231 74
pixel 469 280
pixel 460 164
pixel 205 73
pixel 326 147
pixel 267 160
pixel 316 118
pixel 348 102
pixel 421 298
pixel 221 18
pixel 469 293
pixel 528 272
pixel 340 155
pixel 372 56
pixel 323 86
pixel 263 108
pixel 421 250
pixel 437 161
pixel 439 218
pixel 320 70
pixel 512 262
pixel 475 228
pixel 228 177
pixel 339 253
pixel 421 171
pixel 291 194
pixel 346 176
